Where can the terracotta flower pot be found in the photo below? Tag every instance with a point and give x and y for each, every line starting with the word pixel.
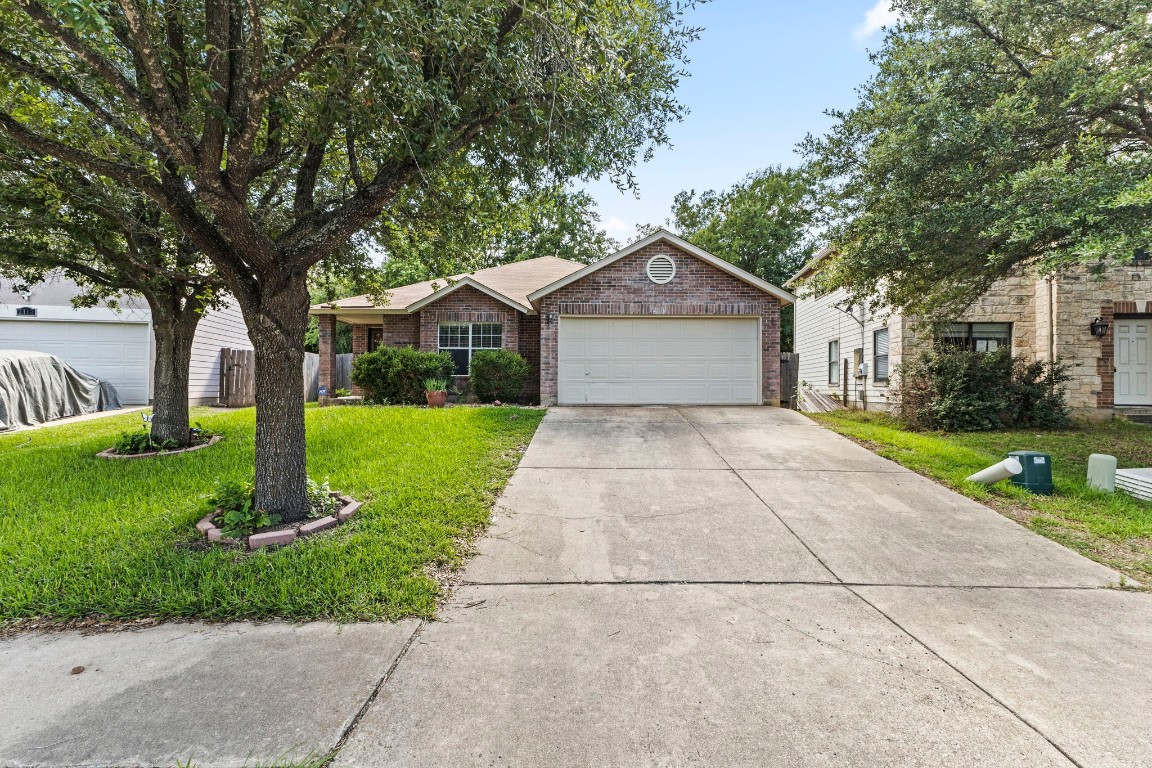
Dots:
pixel 437 399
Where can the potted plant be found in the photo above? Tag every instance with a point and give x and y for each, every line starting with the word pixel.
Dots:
pixel 436 392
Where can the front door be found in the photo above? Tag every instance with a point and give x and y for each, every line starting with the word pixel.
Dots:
pixel 1133 362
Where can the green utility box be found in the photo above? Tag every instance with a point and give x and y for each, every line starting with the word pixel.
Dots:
pixel 1037 474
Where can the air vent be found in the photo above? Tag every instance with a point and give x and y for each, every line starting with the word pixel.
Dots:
pixel 661 269
pixel 25 311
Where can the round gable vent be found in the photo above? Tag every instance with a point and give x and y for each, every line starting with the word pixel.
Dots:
pixel 661 269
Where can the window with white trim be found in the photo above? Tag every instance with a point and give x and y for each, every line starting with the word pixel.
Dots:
pixel 834 362
pixel 880 355
pixel 462 339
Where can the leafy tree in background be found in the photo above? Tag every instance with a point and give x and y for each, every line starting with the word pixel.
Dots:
pixel 272 133
pixel 759 224
pixel 110 241
pixel 997 134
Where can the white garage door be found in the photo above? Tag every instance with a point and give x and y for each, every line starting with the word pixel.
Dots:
pixel 659 361
pixel 115 352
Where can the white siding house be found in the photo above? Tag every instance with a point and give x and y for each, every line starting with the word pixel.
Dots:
pixel 218 329
pixel 834 337
pixel 114 344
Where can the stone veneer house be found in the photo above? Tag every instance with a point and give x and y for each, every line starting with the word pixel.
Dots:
pixel 1038 318
pixel 659 322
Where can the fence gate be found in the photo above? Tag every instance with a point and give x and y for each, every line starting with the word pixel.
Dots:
pixel 237 378
pixel 789 378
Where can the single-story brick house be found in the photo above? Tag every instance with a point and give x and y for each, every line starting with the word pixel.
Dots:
pixel 1098 323
pixel 658 322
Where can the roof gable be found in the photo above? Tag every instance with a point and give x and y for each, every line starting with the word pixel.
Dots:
pixel 508 283
pixel 682 245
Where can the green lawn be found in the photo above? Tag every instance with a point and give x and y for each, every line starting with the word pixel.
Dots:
pixel 83 537
pixel 1114 529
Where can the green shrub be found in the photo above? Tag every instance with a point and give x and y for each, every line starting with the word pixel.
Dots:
pixel 497 374
pixel 397 374
pixel 958 390
pixel 238 516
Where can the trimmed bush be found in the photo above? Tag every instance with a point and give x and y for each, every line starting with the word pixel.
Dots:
pixel 397 374
pixel 958 390
pixel 497 374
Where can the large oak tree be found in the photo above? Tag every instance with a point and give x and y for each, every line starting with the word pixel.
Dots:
pixel 272 132
pixel 996 134
pixel 110 240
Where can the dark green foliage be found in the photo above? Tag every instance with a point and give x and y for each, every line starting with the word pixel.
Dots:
pixel 498 374
pixel 957 390
pixel 994 135
pixel 131 443
pixel 238 515
pixel 396 374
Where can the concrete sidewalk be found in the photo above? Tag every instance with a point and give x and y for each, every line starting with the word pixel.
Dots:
pixel 660 587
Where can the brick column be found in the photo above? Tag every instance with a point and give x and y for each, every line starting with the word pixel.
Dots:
pixel 328 352
pixel 359 347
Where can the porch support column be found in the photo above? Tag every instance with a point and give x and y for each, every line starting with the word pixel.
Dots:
pixel 328 353
pixel 359 347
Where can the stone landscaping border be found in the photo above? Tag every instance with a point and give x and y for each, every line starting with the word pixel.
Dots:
pixel 111 452
pixel 286 535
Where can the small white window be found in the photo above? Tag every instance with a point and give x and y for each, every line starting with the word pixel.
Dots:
pixel 834 362
pixel 661 269
pixel 880 355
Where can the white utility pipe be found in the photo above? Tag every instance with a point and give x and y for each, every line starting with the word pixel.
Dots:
pixel 997 472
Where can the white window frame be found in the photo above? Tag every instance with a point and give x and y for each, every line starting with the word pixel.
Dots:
pixel 473 337
pixel 834 361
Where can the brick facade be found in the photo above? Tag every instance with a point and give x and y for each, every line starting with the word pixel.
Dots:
pixel 327 346
pixel 623 288
pixel 618 289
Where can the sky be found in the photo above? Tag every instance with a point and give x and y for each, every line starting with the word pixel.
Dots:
pixel 761 76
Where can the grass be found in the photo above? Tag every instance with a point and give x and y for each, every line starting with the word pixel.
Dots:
pixel 1114 529
pixel 85 538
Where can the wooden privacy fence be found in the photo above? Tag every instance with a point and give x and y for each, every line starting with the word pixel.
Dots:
pixel 789 378
pixel 342 376
pixel 238 376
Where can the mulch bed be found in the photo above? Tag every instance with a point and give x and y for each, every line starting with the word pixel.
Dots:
pixel 281 534
pixel 111 452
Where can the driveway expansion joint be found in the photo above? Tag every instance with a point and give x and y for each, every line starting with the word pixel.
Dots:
pixel 971 681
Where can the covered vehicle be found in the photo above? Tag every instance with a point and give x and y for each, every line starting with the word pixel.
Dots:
pixel 36 387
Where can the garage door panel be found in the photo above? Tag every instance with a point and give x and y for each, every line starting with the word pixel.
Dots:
pixel 118 353
pixel 659 360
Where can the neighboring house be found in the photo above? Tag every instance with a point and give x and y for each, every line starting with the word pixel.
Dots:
pixel 1037 318
pixel 659 322
pixel 115 345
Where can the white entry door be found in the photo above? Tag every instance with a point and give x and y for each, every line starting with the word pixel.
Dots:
pixel 659 361
pixel 1133 362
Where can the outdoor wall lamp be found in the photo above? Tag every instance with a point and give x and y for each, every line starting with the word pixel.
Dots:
pixel 1099 327
pixel 551 318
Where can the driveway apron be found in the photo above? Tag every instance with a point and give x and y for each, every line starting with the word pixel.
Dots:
pixel 741 587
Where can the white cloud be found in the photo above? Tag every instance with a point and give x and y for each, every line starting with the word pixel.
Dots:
pixel 618 229
pixel 880 15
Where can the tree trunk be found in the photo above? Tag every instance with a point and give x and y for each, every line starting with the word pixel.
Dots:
pixel 174 328
pixel 277 328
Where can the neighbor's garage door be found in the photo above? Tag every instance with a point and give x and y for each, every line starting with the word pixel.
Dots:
pixel 659 360
pixel 115 352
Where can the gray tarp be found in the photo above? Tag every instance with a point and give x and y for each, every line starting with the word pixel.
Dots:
pixel 36 387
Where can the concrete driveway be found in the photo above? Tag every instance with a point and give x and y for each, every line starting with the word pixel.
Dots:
pixel 719 587
pixel 741 587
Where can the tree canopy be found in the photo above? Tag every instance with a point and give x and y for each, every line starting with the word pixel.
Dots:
pixel 996 135
pixel 273 132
